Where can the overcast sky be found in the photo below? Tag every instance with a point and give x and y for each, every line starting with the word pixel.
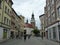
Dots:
pixel 27 7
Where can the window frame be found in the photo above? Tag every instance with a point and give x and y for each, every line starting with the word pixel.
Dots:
pixel 59 11
pixel 5 20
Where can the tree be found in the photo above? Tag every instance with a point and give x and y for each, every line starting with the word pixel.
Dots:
pixel 36 31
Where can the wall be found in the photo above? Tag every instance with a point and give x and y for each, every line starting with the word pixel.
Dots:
pixel 1 33
pixel 28 30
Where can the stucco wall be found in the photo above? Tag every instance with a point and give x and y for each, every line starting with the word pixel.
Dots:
pixel 28 30
pixel 1 33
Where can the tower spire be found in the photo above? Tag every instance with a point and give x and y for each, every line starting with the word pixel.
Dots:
pixel 33 15
pixel 27 21
pixel 33 21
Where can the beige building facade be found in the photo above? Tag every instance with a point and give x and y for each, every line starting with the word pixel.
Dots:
pixel 10 22
pixel 42 31
pixel 22 23
pixel 15 24
pixel 5 18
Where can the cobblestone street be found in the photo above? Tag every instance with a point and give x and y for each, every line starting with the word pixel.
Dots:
pixel 32 41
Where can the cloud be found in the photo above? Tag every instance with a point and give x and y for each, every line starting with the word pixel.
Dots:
pixel 27 7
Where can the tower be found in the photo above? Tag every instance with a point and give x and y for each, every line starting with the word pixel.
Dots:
pixel 27 21
pixel 33 21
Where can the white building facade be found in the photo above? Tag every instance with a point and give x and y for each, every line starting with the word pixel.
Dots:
pixel 28 31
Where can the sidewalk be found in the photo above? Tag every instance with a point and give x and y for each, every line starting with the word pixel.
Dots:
pixel 3 40
pixel 49 42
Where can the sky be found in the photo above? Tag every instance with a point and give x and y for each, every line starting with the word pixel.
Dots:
pixel 27 7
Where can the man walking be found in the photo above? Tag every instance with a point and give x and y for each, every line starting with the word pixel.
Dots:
pixel 25 35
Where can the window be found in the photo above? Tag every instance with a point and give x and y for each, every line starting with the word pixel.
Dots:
pixel 7 21
pixel 59 27
pixel 49 20
pixel 52 1
pixel 4 20
pixel 53 16
pixel 59 31
pixel 5 9
pixel 0 4
pixel 8 11
pixel 49 8
pixel 59 11
pixel 47 3
pixel 50 33
pixel 54 32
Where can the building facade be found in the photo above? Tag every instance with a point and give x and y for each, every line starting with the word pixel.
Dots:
pixel 28 27
pixel 42 31
pixel 22 24
pixel 5 22
pixel 52 23
pixel 15 24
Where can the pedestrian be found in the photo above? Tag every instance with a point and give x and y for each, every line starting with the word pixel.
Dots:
pixel 29 36
pixel 16 36
pixel 25 35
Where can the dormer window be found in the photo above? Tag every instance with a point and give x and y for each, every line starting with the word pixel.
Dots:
pixel 59 11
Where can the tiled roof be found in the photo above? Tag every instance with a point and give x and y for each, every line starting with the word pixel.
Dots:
pixel 28 25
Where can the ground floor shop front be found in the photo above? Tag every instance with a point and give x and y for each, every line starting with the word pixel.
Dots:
pixel 4 33
pixel 53 32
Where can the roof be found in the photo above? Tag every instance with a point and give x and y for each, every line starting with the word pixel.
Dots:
pixel 28 25
pixel 11 1
pixel 14 12
pixel 41 15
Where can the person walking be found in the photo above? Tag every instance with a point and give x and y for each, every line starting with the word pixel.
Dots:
pixel 29 36
pixel 25 35
pixel 17 36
